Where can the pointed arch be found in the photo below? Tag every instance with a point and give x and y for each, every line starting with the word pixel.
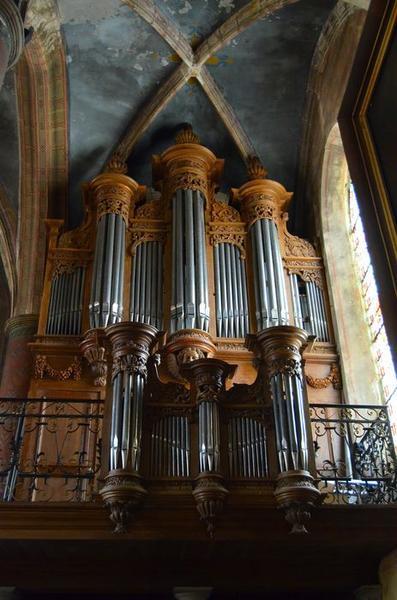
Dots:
pixel 361 383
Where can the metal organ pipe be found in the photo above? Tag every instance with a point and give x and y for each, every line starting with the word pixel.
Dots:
pixel 114 193
pixel 147 284
pixel 270 292
pixel 230 291
pixel 309 307
pixel 189 305
pixel 65 305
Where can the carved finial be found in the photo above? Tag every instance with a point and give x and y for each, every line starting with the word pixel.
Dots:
pixel 187 136
pixel 117 165
pixel 255 168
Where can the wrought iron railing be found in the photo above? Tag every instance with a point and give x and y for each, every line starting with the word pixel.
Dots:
pixel 50 450
pixel 355 455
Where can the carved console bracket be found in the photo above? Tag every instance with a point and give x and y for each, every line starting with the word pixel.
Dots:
pixel 94 351
pixel 296 494
pixel 210 496
pixel 122 495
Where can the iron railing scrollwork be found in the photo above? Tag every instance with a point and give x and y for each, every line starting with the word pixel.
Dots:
pixel 50 450
pixel 355 456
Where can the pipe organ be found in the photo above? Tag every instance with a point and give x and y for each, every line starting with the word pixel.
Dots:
pixel 188 312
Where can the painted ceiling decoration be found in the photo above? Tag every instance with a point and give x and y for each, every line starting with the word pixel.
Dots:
pixel 135 70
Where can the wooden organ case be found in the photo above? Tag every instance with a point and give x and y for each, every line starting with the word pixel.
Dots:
pixel 202 323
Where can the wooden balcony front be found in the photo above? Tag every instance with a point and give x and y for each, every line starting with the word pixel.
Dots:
pixel 56 533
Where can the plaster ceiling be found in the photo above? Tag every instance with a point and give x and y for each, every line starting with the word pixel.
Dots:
pixel 120 61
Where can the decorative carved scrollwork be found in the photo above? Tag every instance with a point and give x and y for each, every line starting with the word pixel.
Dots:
pixel 320 383
pixel 130 363
pixel 222 212
pixel 43 370
pixel 296 246
pixel 308 271
pixel 113 199
pixel 64 262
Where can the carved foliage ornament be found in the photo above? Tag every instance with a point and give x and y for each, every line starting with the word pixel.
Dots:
pixel 260 206
pixel 113 199
pixel 320 383
pixel 222 212
pixel 43 370
pixel 131 363
pixel 290 366
pixel 66 264
pixel 296 246
pixel 187 181
pixel 308 272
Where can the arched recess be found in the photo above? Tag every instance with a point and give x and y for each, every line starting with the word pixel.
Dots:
pixel 361 383
pixel 8 231
pixel 330 70
pixel 8 272
pixel 42 105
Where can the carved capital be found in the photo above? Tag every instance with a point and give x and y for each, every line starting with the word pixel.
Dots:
pixel 262 199
pixel 296 494
pixel 131 344
pixel 114 193
pixel 210 496
pixel 21 326
pixel 280 349
pixel 187 165
pixel 122 494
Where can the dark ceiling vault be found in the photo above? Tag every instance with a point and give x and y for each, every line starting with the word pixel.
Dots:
pixel 248 95
pixel 117 62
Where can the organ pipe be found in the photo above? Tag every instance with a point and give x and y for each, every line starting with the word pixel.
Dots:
pixel 262 203
pixel 66 302
pixel 189 304
pixel 147 284
pixel 113 193
pixel 230 291
pixel 309 307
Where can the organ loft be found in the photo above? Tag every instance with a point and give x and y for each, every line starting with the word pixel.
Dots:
pixel 202 324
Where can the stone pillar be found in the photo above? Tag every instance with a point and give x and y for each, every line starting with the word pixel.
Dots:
pixel 11 36
pixel 17 366
pixel 192 593
pixel 388 576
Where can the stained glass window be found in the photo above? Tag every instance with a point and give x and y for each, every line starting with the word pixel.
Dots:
pixel 376 329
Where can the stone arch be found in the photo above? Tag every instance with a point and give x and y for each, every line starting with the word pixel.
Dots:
pixel 361 383
pixel 42 105
pixel 8 227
